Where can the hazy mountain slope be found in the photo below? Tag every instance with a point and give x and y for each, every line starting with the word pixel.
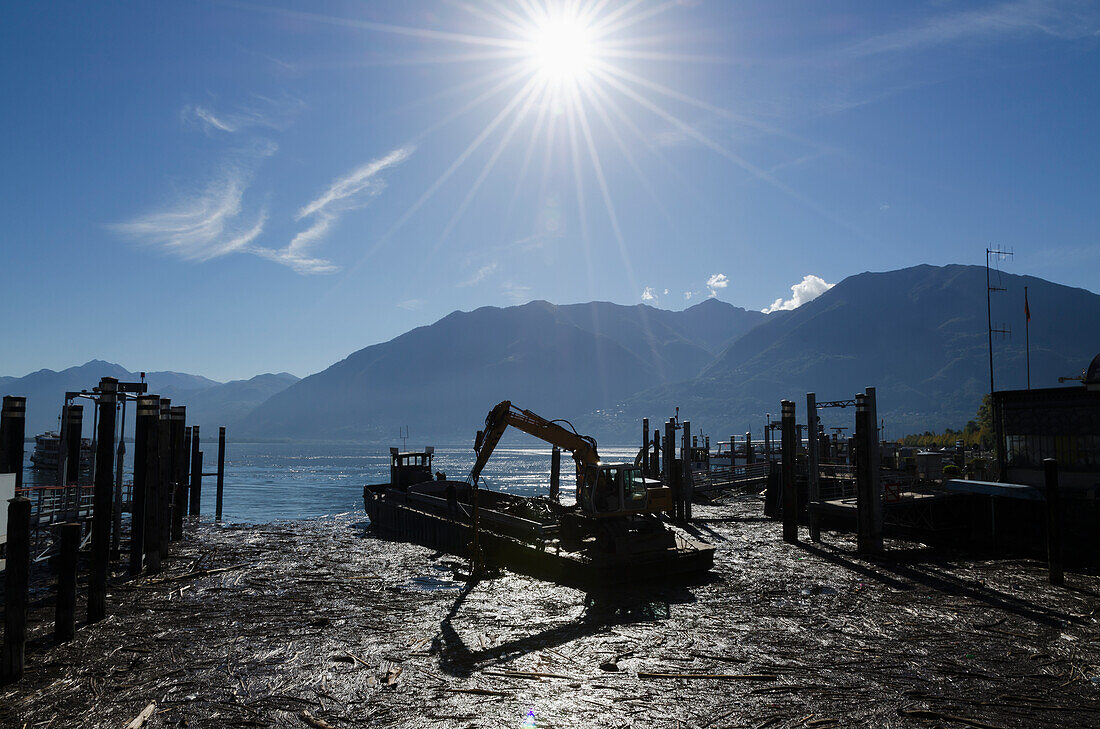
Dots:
pixel 209 403
pixel 227 404
pixel 560 361
pixel 917 334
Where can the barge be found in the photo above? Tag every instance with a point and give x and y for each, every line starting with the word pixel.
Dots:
pixel 536 536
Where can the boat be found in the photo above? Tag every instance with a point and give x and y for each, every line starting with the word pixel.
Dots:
pixel 47 446
pixel 536 536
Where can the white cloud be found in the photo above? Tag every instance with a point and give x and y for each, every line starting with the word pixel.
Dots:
pixel 808 289
pixel 515 293
pixel 351 191
pixel 481 274
pixel 649 294
pixel 1054 18
pixel 204 225
pixel 715 282
pixel 263 112
pixel 688 295
pixel 410 304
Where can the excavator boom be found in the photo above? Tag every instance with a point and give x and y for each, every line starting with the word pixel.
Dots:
pixel 505 414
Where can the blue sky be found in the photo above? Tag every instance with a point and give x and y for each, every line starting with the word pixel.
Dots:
pixel 235 188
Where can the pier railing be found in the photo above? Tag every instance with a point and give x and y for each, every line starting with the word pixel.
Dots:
pixel 743 476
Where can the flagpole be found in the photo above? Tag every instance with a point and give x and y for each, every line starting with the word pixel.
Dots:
pixel 1027 337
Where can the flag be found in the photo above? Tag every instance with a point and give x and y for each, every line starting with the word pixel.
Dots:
pixel 1027 309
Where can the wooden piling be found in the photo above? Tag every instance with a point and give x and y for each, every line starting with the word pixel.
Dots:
pixel 1054 522
pixel 152 488
pixel 183 488
pixel 750 455
pixel 147 410
pixel 196 473
pixel 645 446
pixel 64 625
pixel 655 462
pixel 555 473
pixel 221 471
pixel 868 501
pixel 181 452
pixel 103 504
pixel 790 495
pixel 74 417
pixel 813 483
pixel 768 442
pixel 13 427
pixel 670 462
pixel 165 485
pixel 687 492
pixel 16 575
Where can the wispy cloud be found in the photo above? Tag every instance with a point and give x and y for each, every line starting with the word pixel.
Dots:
pixel 715 282
pixel 808 289
pixel 263 112
pixel 649 294
pixel 481 274
pixel 1068 19
pixel 209 223
pixel 410 304
pixel 349 192
pixel 515 293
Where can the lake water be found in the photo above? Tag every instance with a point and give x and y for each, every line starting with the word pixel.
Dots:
pixel 271 481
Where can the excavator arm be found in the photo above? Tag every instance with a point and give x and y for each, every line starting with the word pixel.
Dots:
pixel 505 414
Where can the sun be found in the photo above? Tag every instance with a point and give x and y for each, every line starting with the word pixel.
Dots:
pixel 562 49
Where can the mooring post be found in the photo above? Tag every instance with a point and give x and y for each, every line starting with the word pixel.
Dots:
pixel 75 418
pixel 813 485
pixel 62 469
pixel 645 446
pixel 1054 522
pixel 655 462
pixel 185 484
pixel 180 454
pixel 120 454
pixel 152 487
pixel 865 493
pixel 790 495
pixel 103 504
pixel 64 624
pixel 555 473
pixel 750 455
pixel 688 490
pixel 221 470
pixel 670 463
pixel 196 473
pixel 147 409
pixel 165 485
pixel 16 574
pixel 874 466
pixel 13 427
pixel 768 442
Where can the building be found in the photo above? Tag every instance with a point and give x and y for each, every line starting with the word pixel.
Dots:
pixel 1058 422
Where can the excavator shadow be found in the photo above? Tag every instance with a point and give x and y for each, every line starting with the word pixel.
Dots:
pixel 603 610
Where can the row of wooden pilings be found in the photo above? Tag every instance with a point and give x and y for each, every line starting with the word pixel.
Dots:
pixel 867 467
pixel 167 487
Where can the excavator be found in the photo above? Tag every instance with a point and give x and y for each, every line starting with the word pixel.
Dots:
pixel 604 490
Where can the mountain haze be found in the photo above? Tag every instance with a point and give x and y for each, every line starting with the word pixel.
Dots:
pixel 209 402
pixel 917 334
pixel 443 378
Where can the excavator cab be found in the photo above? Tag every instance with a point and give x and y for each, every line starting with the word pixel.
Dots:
pixel 613 489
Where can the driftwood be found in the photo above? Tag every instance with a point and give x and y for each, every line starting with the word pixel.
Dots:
pixel 723 676
pixel 144 716
pixel 313 721
pixel 927 714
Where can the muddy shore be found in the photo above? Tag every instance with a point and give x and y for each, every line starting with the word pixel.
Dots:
pixel 315 624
